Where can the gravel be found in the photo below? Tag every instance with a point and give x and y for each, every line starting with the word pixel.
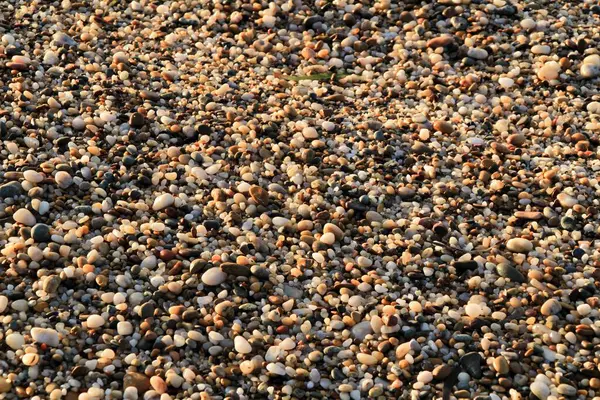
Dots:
pixel 289 200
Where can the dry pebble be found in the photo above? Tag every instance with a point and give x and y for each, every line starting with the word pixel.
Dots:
pixel 293 200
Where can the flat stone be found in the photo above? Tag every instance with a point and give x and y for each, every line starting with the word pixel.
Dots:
pixel 163 201
pixel 45 335
pixel 260 195
pixel 214 276
pixel 10 190
pixel 235 269
pixel 550 307
pixel 24 216
pixel 519 245
pixel 510 272
pixel 139 381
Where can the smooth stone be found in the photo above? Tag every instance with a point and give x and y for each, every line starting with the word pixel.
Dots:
pixel 51 284
pixel 139 381
pixel 519 245
pixel 540 390
pixel 566 390
pixel 550 307
pixel 10 190
pixel 41 233
pixel 478 54
pixel 95 321
pixel 332 228
pixel 163 201
pixel 241 345
pixel 501 365
pixel 310 133
pixel 15 341
pixel 566 200
pixel 531 215
pixel 510 272
pixel 366 359
pixel 45 335
pixel 61 39
pixel 3 303
pixel 471 362
pixel 5 385
pixel 549 71
pixel 24 216
pixel 146 310
pixel 213 276
pixel 78 123
pixel 124 328
pixel 137 120
pixel 441 372
pixel 260 195
pixel 589 71
pixel 276 369
pixel 33 176
pixel 327 238
pixel 235 269
pixel 63 179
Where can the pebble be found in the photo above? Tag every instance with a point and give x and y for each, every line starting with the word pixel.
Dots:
pixel 24 216
pixel 95 321
pixel 41 233
pixel 214 277
pixel 163 201
pixel 550 307
pixel 335 200
pixel 15 341
pixel 519 245
pixel 45 335
pixel 241 345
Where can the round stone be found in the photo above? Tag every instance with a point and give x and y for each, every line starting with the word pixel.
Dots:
pixel 95 321
pixel 41 233
pixel 213 277
pixel 24 216
pixel 241 345
pixel 15 341
pixel 519 245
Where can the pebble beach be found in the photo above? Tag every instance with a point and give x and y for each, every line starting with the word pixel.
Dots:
pixel 330 199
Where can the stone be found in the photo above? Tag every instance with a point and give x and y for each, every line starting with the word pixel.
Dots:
pixel 139 381
pixel 125 328
pixel 15 341
pixel 471 362
pixel 441 372
pixel 63 179
pixel 5 385
pixel 519 245
pixel 163 201
pixel 540 390
pixel 41 233
pixel 241 345
pixel 45 335
pixel 235 269
pixel 24 216
pixel 260 195
pixel 366 359
pixel 501 365
pixel 550 307
pixel 213 277
pixel 137 120
pixel 10 190
pixel 510 272
pixel 95 321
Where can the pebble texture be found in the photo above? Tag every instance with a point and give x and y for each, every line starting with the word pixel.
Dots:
pixel 329 199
